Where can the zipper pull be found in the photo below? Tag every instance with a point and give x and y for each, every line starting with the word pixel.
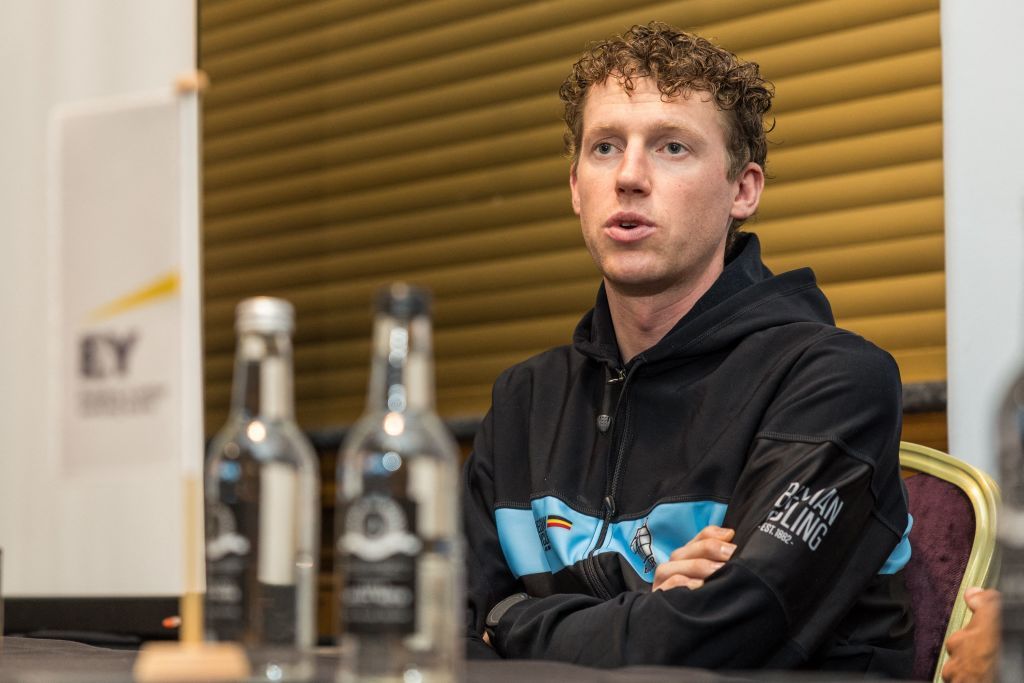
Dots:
pixel 620 377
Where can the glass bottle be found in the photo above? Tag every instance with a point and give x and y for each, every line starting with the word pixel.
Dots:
pixel 1011 531
pixel 262 506
pixel 398 543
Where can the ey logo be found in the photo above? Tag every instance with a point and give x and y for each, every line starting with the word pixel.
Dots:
pixel 103 355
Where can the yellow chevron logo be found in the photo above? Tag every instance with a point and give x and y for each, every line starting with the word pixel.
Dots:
pixel 164 286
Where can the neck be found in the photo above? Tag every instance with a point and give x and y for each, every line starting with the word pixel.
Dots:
pixel 262 386
pixel 642 319
pixel 402 376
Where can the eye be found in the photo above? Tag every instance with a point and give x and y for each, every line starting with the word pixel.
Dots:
pixel 675 148
pixel 603 148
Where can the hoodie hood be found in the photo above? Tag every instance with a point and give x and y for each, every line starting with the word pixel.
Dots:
pixel 745 299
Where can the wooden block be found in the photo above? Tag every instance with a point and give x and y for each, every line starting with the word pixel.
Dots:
pixel 198 662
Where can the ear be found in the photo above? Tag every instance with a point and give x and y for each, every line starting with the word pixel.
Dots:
pixel 749 186
pixel 573 189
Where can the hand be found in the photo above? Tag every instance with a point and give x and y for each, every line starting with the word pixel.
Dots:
pixel 487 638
pixel 697 560
pixel 974 649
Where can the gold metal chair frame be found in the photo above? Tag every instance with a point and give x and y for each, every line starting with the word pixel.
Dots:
pixel 983 562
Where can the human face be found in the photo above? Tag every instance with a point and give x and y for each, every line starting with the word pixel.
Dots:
pixel 652 191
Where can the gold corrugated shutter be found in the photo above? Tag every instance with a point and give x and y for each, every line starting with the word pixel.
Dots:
pixel 348 144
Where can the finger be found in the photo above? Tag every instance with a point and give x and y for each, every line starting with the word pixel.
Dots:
pixel 977 598
pixel 708 549
pixel 684 572
pixel 694 569
pixel 954 641
pixel 667 570
pixel 679 581
pixel 719 532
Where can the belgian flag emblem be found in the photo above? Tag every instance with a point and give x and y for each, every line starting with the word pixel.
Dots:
pixel 559 522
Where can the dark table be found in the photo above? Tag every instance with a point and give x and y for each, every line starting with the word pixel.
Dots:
pixel 34 660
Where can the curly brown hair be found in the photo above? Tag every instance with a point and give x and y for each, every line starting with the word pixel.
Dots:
pixel 680 63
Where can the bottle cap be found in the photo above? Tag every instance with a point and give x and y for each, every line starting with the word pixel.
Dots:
pixel 403 300
pixel 264 314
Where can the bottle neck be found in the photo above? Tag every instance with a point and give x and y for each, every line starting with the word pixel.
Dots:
pixel 402 374
pixel 263 376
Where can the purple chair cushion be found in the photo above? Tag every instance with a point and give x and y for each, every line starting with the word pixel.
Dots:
pixel 941 542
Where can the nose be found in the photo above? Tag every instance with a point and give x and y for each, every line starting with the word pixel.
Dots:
pixel 633 175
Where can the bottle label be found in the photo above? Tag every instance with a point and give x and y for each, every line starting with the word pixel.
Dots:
pixel 378 553
pixel 250 594
pixel 227 553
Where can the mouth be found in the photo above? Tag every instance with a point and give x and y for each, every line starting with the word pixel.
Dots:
pixel 628 227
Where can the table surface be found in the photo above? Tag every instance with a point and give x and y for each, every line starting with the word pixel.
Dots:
pixel 35 660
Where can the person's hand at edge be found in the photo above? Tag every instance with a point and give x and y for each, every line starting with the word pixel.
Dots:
pixel 694 562
pixel 974 649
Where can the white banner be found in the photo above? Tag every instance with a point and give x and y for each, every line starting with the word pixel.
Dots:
pixel 118 247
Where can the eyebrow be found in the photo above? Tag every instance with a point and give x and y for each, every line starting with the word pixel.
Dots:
pixel 659 127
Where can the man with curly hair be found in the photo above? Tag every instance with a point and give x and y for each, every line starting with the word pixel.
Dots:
pixel 708 475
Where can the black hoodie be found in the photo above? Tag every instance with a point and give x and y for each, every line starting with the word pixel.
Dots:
pixel 755 413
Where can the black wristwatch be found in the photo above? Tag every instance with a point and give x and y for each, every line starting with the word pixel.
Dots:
pixel 498 611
